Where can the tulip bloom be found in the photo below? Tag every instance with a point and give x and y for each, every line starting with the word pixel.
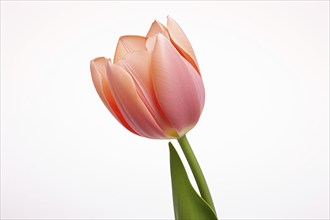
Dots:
pixel 153 87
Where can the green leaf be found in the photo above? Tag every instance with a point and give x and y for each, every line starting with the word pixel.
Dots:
pixel 187 202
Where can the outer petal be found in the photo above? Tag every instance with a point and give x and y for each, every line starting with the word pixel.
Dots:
pixel 131 106
pixel 178 87
pixel 98 70
pixel 129 44
pixel 138 66
pixel 181 42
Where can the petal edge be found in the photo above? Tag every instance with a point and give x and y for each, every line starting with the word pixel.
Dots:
pixel 181 42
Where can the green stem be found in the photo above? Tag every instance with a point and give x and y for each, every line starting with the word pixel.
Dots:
pixel 196 170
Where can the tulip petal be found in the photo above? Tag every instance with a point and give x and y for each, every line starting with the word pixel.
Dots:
pixel 99 76
pixel 157 28
pixel 129 44
pixel 181 42
pixel 138 66
pixel 131 106
pixel 150 44
pixel 178 87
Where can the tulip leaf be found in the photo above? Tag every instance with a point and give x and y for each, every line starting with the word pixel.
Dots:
pixel 187 202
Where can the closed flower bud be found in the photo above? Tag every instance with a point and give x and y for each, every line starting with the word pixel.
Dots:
pixel 153 87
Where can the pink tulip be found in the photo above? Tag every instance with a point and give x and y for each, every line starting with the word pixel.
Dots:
pixel 153 87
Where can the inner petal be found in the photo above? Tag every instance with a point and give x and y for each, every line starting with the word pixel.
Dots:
pixel 129 44
pixel 157 28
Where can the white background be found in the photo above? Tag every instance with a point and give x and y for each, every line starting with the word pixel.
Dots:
pixel 262 139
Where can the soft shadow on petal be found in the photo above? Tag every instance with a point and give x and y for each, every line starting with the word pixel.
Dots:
pixel 98 69
pixel 181 42
pixel 138 66
pixel 150 44
pixel 131 106
pixel 178 87
pixel 129 44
